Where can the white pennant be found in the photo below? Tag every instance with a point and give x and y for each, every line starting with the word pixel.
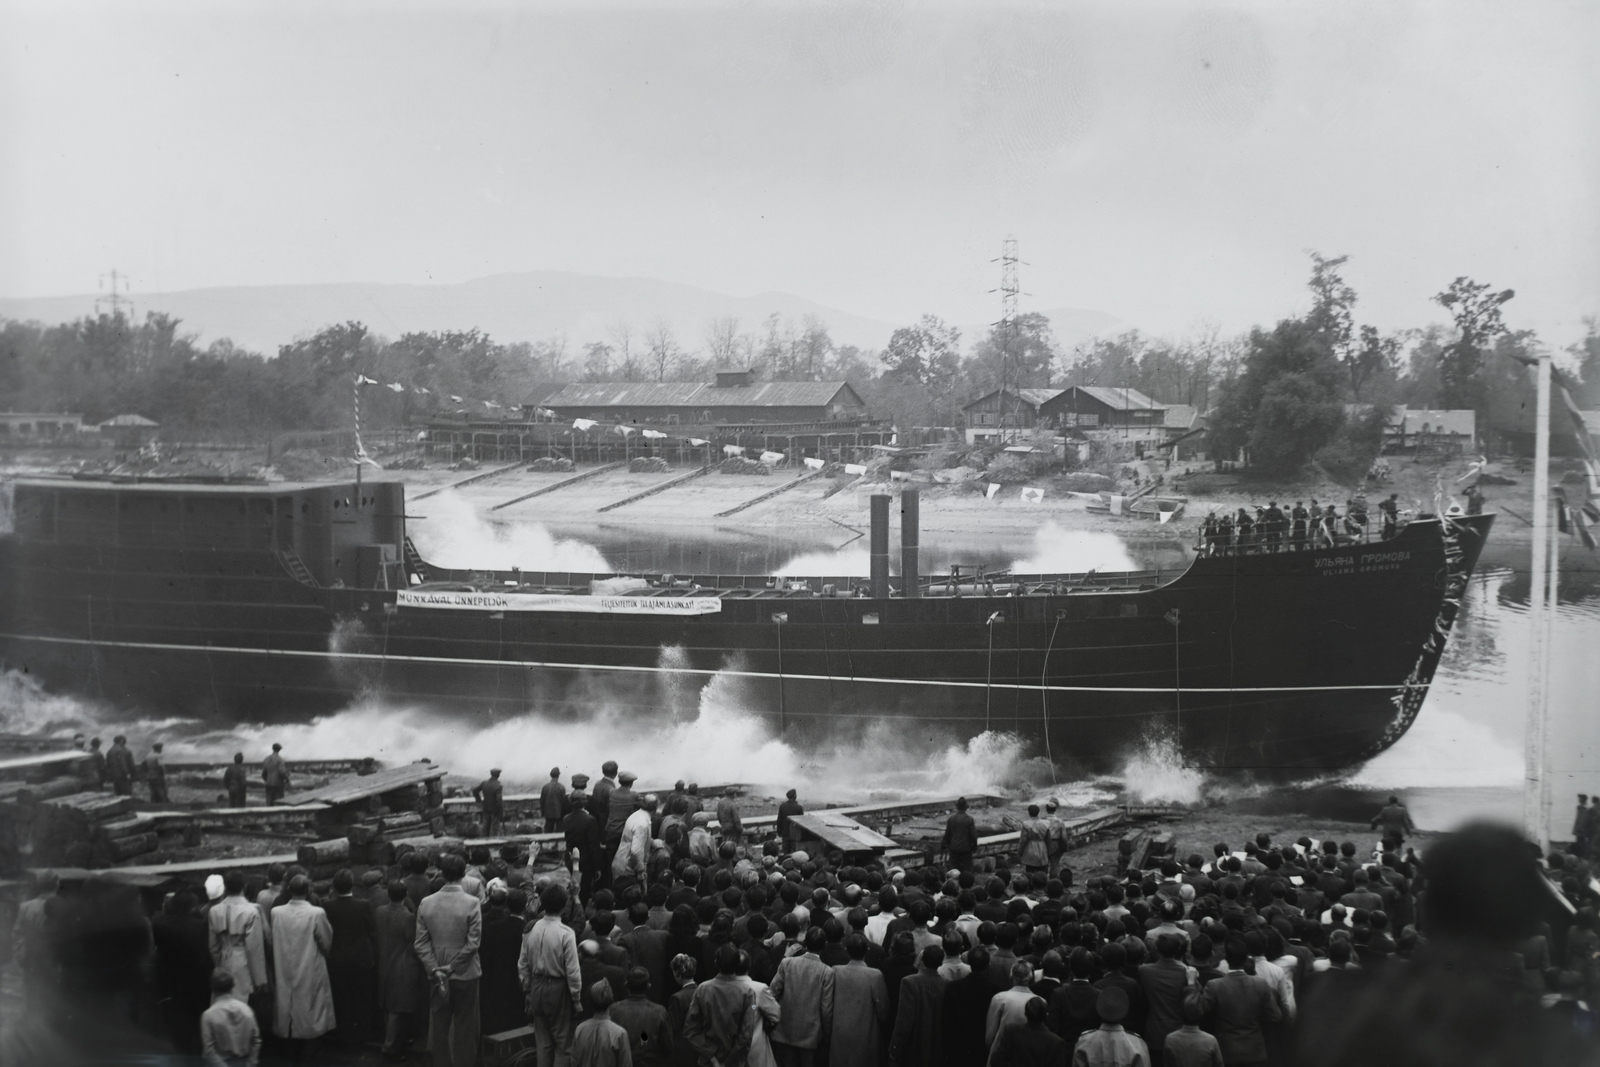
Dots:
pixel 698 443
pixel 583 424
pixel 362 379
pixel 625 430
pixel 732 450
pixel 397 387
pixel 1032 495
pixel 994 487
pixel 855 468
pixel 770 458
pixel 815 464
pixel 654 435
pixel 457 399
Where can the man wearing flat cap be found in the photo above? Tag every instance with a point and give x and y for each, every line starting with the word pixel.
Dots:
pixel 491 793
pixel 619 806
pixel 1111 1045
pixel 553 801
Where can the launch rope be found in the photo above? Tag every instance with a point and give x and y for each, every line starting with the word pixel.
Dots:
pixel 1044 695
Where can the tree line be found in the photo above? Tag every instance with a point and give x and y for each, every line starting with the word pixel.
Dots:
pixel 1278 393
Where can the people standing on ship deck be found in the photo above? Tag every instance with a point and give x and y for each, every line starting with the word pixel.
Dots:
pixel 1247 531
pixel 120 767
pixel 1390 509
pixel 155 775
pixel 1298 529
pixel 275 774
pixel 1273 519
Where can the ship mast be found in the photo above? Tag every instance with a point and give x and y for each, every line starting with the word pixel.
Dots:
pixel 1536 779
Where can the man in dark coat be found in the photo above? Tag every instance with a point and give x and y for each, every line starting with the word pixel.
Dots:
pixel 960 837
pixel 649 1032
pixel 965 1009
pixel 491 793
pixel 1164 983
pixel 183 969
pixel 352 961
pixel 788 833
pixel 1244 1004
pixel 275 774
pixel 582 832
pixel 155 776
pixel 234 779
pixel 553 801
pixel 918 1036
pixel 119 769
pixel 96 766
pixel 402 988
pixel 500 1000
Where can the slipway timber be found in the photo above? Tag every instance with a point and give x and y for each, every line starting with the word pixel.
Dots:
pixel 275 601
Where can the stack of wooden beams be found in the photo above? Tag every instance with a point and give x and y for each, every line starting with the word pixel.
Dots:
pixel 90 829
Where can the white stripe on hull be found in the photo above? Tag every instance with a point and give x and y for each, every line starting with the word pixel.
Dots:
pixel 379 657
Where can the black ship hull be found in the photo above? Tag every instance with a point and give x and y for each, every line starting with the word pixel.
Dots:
pixel 1276 664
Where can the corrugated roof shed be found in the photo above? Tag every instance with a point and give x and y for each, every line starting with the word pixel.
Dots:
pixel 697 394
pixel 1033 397
pixel 1120 399
pixel 1179 416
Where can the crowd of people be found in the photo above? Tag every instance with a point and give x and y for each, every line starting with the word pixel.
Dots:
pixel 1296 528
pixel 676 940
pixel 117 768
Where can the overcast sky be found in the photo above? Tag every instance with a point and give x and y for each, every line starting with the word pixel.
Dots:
pixel 1165 163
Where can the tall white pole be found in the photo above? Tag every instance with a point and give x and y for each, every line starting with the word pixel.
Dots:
pixel 1549 653
pixel 1535 819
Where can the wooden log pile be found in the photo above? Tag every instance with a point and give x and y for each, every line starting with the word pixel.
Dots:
pixel 88 830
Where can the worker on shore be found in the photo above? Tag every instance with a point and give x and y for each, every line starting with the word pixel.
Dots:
pixel 600 795
pixel 620 804
pixel 491 793
pixel 729 824
pixel 960 837
pixel 1582 826
pixel 233 780
pixel 553 800
pixel 1395 821
pixel 120 767
pixel 155 775
pixel 788 832
pixel 94 768
pixel 275 773
pixel 581 830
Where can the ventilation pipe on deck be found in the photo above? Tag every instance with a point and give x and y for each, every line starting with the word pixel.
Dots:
pixel 910 575
pixel 880 546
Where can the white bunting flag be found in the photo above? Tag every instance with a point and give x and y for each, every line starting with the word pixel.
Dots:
pixel 698 443
pixel 854 468
pixel 1032 496
pixel 1163 516
pixel 455 398
pixel 732 450
pixel 654 435
pixel 625 430
pixel 421 389
pixel 815 464
pixel 397 387
pixel 490 404
pixel 991 490
pixel 362 379
pixel 547 413
pixel 770 458
pixel 583 424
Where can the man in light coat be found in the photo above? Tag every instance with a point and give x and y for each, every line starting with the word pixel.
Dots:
pixel 729 825
pixel 238 938
pixel 803 987
pixel 301 938
pixel 449 931
pixel 860 1009
pixel 633 848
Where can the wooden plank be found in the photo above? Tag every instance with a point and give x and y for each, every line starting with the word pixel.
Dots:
pixel 602 469
pixel 350 790
pixel 482 476
pixel 842 832
pixel 769 494
pixel 204 867
pixel 41 759
pixel 658 488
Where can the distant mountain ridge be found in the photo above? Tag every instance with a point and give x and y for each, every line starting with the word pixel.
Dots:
pixel 531 306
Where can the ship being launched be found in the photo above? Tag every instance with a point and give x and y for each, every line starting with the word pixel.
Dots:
pixel 276 601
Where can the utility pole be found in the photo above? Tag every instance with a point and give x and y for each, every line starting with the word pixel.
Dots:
pixel 115 298
pixel 1009 290
pixel 1536 787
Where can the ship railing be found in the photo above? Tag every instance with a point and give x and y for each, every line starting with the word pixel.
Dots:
pixel 1352 532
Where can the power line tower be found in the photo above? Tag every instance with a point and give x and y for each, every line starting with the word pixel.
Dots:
pixel 116 298
pixel 1010 289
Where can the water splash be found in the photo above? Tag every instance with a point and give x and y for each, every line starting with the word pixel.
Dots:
pixel 1158 773
pixel 845 563
pixel 455 535
pixel 1444 748
pixel 1061 551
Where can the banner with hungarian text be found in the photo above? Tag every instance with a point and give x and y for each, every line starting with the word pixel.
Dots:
pixel 592 605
